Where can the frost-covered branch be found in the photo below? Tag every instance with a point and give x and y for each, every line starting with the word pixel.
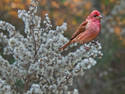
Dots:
pixel 8 27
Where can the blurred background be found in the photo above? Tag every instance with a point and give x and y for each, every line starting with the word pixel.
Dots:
pixel 108 76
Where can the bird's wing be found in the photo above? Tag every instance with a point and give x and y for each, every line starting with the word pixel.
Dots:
pixel 80 29
pixel 85 37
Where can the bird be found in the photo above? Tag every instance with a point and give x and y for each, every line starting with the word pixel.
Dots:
pixel 87 31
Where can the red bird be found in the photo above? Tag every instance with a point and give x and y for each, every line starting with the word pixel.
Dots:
pixel 87 31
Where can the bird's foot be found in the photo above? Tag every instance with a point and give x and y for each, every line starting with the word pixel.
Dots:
pixel 94 42
pixel 87 48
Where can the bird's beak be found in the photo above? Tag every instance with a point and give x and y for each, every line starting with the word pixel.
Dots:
pixel 100 17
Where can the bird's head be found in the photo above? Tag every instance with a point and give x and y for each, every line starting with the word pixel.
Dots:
pixel 95 15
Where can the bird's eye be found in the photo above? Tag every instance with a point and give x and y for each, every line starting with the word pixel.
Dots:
pixel 95 15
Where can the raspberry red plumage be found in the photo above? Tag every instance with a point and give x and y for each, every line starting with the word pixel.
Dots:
pixel 87 31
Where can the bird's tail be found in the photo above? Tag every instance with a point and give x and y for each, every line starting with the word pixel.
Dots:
pixel 63 47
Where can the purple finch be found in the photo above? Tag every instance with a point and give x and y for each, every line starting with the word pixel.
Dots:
pixel 87 31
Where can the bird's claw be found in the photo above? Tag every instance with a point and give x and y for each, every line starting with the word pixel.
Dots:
pixel 87 48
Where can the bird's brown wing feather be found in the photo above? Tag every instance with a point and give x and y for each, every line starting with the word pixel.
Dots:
pixel 85 37
pixel 80 29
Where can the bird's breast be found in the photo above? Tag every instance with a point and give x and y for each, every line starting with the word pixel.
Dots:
pixel 93 26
